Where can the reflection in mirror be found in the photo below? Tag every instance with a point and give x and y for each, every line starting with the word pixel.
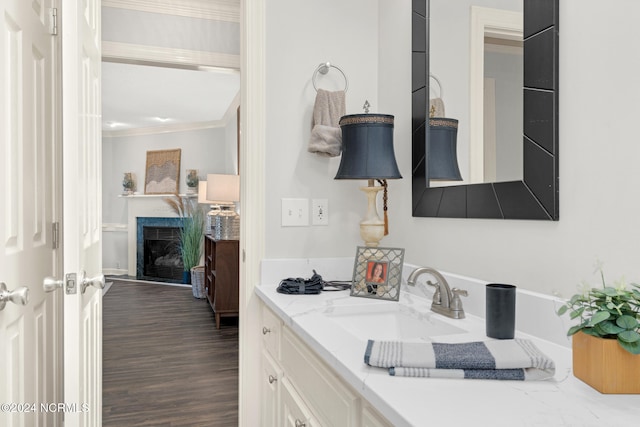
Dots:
pixel 484 88
pixel 529 193
pixel 496 81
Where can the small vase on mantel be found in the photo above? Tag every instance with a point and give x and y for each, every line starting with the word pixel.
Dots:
pixel 192 181
pixel 128 184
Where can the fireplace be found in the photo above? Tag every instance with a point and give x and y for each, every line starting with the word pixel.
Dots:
pixel 158 255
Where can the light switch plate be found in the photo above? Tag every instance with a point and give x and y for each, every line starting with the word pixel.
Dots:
pixel 295 212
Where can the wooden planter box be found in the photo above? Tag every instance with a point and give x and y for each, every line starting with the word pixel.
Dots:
pixel 605 366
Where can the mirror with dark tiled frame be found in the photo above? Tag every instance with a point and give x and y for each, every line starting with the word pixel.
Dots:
pixel 536 195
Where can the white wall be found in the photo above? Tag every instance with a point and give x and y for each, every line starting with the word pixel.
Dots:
pixel 300 36
pixel 212 150
pixel 599 151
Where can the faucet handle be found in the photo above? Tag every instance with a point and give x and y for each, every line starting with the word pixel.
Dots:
pixel 457 292
pixel 456 303
pixel 437 298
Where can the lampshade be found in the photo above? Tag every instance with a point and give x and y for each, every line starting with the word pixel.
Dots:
pixel 202 194
pixel 443 158
pixel 367 147
pixel 223 188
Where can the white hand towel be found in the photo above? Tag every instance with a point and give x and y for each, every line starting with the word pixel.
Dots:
pixel 326 135
pixel 436 107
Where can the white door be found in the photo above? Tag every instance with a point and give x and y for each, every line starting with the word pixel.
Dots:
pixel 82 147
pixel 30 335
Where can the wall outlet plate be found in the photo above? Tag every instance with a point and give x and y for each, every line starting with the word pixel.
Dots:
pixel 320 211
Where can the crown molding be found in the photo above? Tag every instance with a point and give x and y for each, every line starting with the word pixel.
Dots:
pixel 167 128
pixel 129 52
pixel 217 10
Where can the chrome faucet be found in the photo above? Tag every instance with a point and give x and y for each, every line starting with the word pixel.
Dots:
pixel 446 301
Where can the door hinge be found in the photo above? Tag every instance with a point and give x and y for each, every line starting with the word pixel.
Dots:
pixel 55 235
pixel 53 21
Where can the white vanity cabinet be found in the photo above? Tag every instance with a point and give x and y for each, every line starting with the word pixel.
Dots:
pixel 370 418
pixel 299 389
pixel 294 411
pixel 270 389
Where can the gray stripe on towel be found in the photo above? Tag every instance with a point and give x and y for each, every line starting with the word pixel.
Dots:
pixel 474 355
pixel 538 359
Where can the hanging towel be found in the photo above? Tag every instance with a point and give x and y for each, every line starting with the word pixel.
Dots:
pixel 516 359
pixel 436 107
pixel 326 135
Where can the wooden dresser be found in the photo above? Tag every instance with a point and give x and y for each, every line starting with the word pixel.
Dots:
pixel 221 263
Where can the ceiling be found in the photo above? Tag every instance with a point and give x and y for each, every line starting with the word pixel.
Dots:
pixel 143 96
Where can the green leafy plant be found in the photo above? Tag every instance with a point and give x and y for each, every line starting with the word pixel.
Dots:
pixel 192 231
pixel 611 312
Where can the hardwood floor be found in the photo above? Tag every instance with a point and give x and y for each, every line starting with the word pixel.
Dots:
pixel 164 361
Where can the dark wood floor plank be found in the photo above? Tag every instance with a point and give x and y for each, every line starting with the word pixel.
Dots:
pixel 164 362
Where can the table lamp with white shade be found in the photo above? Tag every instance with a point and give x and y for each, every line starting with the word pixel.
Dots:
pixel 221 191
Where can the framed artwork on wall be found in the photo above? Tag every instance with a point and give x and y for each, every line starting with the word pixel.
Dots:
pixel 162 172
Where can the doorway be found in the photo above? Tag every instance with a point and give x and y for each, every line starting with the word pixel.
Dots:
pixel 163 92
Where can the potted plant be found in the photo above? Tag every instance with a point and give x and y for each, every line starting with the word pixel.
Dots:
pixel 191 233
pixel 606 339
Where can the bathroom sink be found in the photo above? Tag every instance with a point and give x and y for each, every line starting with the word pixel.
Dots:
pixel 390 322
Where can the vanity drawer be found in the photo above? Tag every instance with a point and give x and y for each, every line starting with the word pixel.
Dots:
pixel 271 331
pixel 332 402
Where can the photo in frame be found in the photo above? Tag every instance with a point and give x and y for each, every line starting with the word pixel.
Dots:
pixel 162 172
pixel 377 273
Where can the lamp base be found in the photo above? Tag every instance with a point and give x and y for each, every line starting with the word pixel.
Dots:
pixel 371 227
pixel 224 224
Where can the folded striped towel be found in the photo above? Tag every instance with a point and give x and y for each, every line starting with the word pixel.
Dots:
pixel 516 359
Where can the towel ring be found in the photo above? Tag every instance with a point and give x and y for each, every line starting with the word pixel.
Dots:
pixel 439 84
pixel 324 69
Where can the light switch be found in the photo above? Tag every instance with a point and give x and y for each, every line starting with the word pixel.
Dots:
pixel 295 212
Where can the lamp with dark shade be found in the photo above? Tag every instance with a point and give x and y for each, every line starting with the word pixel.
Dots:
pixel 367 153
pixel 442 153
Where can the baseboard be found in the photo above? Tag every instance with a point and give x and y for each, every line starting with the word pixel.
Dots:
pixel 114 271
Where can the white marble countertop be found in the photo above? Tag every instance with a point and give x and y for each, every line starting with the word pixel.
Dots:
pixel 561 401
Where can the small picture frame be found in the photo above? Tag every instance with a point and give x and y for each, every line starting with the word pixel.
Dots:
pixel 377 273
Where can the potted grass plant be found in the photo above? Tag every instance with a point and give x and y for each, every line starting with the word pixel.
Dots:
pixel 191 233
pixel 606 338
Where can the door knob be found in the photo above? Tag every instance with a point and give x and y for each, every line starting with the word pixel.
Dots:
pixel 17 296
pixel 69 283
pixel 50 284
pixel 96 281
